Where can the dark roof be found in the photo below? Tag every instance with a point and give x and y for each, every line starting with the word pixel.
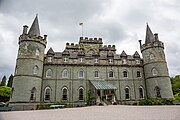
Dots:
pixel 34 30
pixel 149 35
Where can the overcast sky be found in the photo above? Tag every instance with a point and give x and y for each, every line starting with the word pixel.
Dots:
pixel 119 22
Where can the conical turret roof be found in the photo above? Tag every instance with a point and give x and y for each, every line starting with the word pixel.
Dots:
pixel 34 30
pixel 149 35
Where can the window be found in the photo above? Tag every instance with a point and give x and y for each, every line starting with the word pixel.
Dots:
pixel 47 93
pixel 124 61
pixel 141 92
pixel 157 92
pixel 35 70
pixel 65 73
pixel 65 59
pixel 151 56
pixel 49 73
pixel 81 74
pixel 96 60
pixel 127 96
pixel 154 72
pixel 125 74
pixel 81 60
pixel 32 96
pixel 91 52
pixel 81 93
pixel 111 74
pixel 37 52
pixel 49 59
pixel 64 93
pixel 137 61
pixel 96 73
pixel 138 74
pixel 110 60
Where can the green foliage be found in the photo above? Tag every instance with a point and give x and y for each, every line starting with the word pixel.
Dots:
pixel 47 105
pixel 89 98
pixel 3 82
pixel 5 93
pixel 10 81
pixel 176 84
pixel 163 101
pixel 177 96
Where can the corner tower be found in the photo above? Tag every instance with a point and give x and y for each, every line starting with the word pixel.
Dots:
pixel 29 65
pixel 157 78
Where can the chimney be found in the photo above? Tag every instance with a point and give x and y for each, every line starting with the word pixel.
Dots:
pixel 140 43
pixel 25 27
pixel 156 37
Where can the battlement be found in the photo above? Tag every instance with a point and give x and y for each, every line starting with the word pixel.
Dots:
pixel 72 46
pixel 108 48
pixel 35 38
pixel 90 40
pixel 153 44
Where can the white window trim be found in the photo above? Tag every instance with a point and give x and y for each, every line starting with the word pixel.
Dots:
pixel 65 59
pixel 37 52
pixel 124 61
pixel 96 60
pixel 129 93
pixel 63 73
pixel 81 60
pixel 137 62
pixel 45 93
pixel 83 93
pixel 49 59
pixel 110 60
pixel 143 92
pixel 79 73
pixel 97 73
pixel 35 70
pixel 154 72
pixel 48 70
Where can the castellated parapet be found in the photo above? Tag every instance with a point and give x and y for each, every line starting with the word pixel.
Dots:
pixel 90 40
pixel 30 37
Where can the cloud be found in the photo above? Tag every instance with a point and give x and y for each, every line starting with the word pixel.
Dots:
pixel 118 22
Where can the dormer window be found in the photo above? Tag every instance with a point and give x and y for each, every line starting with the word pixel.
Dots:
pixel 96 60
pixel 81 60
pixel 124 61
pixel 137 61
pixel 110 60
pixel 49 59
pixel 65 59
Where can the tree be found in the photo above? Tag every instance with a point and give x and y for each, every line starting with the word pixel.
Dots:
pixel 10 81
pixel 3 82
pixel 5 93
pixel 176 84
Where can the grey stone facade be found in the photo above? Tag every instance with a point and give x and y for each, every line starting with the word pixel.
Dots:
pixel 66 76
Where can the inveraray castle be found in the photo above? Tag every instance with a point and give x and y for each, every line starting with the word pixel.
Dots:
pixel 87 70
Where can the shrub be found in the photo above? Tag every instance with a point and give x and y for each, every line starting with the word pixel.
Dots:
pixel 153 101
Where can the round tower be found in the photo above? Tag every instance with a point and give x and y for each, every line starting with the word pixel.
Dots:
pixel 29 66
pixel 156 74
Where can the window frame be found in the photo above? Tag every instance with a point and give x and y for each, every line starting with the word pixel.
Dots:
pixel 47 72
pixel 96 73
pixel 47 95
pixel 79 73
pixel 111 74
pixel 81 95
pixel 125 74
pixel 64 96
pixel 141 95
pixel 65 73
pixel 138 74
pixel 127 93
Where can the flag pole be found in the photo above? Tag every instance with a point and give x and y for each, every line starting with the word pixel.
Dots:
pixel 82 27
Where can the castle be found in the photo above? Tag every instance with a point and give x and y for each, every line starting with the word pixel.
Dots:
pixel 87 71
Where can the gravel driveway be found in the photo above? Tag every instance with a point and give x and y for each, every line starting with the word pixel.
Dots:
pixel 117 112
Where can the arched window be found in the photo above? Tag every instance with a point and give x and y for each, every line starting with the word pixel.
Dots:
pixel 141 92
pixel 81 74
pixel 157 92
pixel 33 95
pixel 91 51
pixel 111 74
pixel 49 73
pixel 64 93
pixel 35 70
pixel 65 73
pixel 151 56
pixel 124 61
pixel 47 93
pixel 81 93
pixel 96 73
pixel 154 72
pixel 110 60
pixel 127 94
pixel 125 74
pixel 37 52
pixel 138 74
